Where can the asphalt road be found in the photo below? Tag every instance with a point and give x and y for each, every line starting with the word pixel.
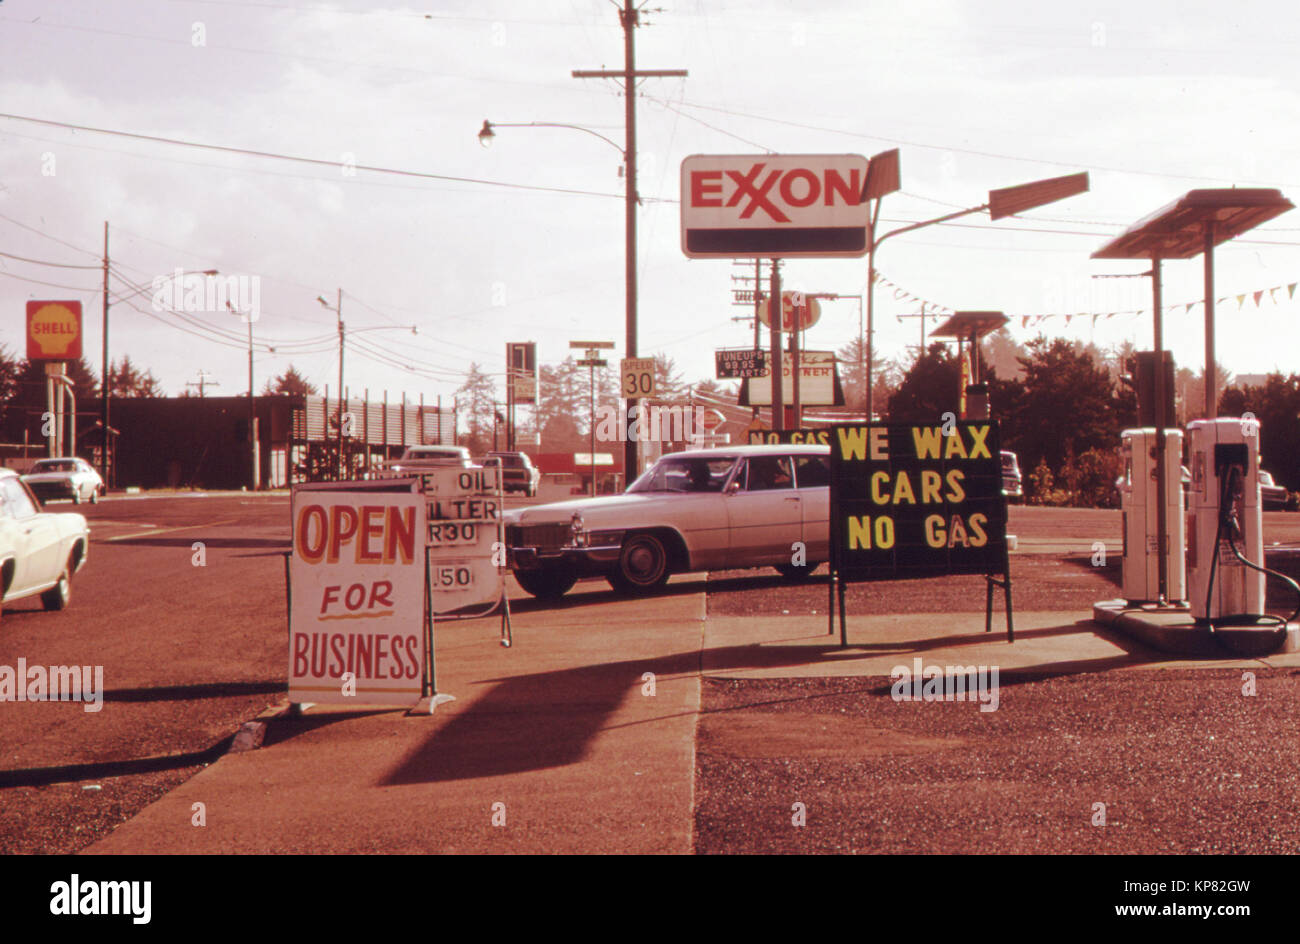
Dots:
pixel 182 602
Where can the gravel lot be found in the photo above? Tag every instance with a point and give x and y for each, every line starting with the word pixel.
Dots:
pixel 1182 760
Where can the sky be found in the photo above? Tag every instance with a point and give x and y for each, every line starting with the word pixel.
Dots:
pixel 524 241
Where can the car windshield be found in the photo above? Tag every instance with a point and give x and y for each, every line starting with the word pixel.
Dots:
pixel 55 465
pixel 685 474
pixel 1009 463
pixel 1265 478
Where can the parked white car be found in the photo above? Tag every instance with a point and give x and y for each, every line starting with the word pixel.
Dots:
pixel 706 509
pixel 64 477
pixel 39 550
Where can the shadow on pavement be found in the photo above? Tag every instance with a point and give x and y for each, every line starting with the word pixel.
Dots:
pixel 549 719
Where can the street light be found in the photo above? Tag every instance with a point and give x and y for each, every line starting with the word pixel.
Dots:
pixel 486 136
pixel 1001 203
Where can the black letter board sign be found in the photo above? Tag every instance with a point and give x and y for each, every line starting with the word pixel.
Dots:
pixel 743 362
pixel 917 500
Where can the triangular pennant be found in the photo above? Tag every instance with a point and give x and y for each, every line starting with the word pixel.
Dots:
pixel 1241 300
pixel 1258 296
pixel 1272 294
pixel 1188 310
pixel 1290 290
pixel 1094 319
pixel 1111 315
pixel 1067 321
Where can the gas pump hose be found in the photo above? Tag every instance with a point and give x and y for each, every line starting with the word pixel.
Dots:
pixel 1228 518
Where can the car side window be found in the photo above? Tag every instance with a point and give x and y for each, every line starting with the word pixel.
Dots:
pixel 17 503
pixel 765 473
pixel 812 471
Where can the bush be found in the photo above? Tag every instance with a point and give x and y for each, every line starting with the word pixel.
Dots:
pixel 1083 481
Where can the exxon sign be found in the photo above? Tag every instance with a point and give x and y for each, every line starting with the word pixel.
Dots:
pixel 773 205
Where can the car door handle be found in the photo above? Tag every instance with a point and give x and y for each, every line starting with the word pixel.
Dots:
pixel 794 499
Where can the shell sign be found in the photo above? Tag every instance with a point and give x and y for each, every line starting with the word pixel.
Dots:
pixel 53 331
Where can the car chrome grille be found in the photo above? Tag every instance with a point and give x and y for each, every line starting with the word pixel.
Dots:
pixel 541 536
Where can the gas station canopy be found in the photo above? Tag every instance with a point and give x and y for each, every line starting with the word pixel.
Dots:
pixel 1178 231
pixel 970 324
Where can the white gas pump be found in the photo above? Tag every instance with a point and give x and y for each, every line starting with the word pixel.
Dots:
pixel 1138 499
pixel 1225 488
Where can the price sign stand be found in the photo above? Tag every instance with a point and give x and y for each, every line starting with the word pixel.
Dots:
pixel 500 603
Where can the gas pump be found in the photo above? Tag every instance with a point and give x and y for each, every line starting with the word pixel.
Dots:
pixel 1138 500
pixel 1225 511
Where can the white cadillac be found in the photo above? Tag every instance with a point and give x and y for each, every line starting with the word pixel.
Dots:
pixel 39 550
pixel 706 509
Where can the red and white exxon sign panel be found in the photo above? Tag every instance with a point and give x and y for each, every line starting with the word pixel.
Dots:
pixel 774 205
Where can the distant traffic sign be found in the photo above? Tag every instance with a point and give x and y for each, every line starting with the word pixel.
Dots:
pixel 638 377
pixel 593 362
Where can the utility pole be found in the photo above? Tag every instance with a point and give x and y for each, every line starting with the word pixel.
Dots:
pixel 629 16
pixel 774 318
pixel 104 379
pixel 922 314
pixel 203 383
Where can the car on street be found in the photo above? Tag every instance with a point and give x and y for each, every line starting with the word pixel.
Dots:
pixel 518 474
pixel 39 550
pixel 1012 484
pixel 65 477
pixel 704 509
pixel 418 458
pixel 1273 497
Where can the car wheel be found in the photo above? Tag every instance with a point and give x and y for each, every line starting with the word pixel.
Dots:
pixel 548 583
pixel 57 597
pixel 76 496
pixel 797 572
pixel 94 496
pixel 642 565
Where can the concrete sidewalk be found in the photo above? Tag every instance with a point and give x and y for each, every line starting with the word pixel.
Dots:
pixel 556 729
pixel 562 731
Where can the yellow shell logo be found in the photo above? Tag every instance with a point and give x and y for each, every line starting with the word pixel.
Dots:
pixel 54 330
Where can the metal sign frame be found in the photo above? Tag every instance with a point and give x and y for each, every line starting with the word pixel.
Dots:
pixel 951 472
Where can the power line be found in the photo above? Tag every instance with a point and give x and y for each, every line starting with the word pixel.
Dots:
pixel 315 161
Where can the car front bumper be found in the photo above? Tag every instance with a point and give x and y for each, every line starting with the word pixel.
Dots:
pixel 581 560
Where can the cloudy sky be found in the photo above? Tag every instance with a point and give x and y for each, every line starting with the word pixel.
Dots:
pixel 1152 98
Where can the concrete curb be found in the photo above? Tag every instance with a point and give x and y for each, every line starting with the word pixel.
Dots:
pixel 1174 631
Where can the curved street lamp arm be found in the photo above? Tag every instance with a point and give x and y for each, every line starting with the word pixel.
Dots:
pixel 489 125
pixel 937 219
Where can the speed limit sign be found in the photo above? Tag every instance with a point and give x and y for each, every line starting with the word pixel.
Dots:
pixel 638 377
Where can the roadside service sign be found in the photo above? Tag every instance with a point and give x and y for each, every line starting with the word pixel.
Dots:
pixel 921 500
pixel 464 527
pixel 797 437
pixel 740 362
pixel 53 331
pixel 773 206
pixel 357 630
pixel 819 383
pixel 808 308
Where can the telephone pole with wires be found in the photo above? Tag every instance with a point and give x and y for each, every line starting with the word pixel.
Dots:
pixel 630 17
pixel 203 382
